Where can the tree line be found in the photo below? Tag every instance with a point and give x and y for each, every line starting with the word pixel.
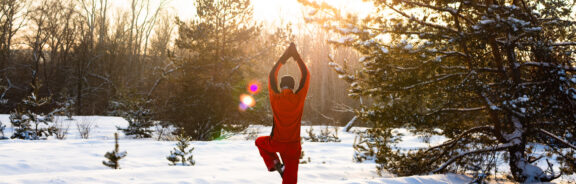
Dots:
pixel 146 64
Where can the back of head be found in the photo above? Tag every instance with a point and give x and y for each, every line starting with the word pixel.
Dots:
pixel 287 82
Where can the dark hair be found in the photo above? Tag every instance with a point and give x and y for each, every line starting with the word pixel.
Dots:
pixel 287 81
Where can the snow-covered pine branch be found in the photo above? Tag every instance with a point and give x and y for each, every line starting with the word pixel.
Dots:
pixel 501 53
pixel 462 135
pixel 489 149
pixel 557 138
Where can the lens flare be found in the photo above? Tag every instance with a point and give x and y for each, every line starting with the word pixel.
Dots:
pixel 254 87
pixel 246 101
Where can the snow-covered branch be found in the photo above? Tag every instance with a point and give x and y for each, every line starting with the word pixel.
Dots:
pixel 490 149
pixel 463 134
pixel 462 109
pixel 549 65
pixel 489 102
pixel 165 73
pixel 479 69
pixel 557 138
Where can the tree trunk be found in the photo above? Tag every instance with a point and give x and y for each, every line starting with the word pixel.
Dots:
pixel 521 169
pixel 517 162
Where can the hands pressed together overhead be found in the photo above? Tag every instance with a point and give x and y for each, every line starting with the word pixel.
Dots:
pixel 290 52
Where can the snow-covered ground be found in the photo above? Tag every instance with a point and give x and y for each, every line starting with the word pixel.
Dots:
pixel 234 160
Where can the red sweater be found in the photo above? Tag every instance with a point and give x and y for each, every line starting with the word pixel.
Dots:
pixel 287 106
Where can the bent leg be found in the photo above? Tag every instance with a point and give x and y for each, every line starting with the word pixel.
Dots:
pixel 266 151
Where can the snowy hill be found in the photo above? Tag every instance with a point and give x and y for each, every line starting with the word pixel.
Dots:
pixel 234 160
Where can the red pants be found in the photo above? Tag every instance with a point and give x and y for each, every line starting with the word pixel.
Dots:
pixel 290 153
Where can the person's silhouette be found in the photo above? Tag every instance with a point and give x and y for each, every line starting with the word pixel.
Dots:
pixel 287 106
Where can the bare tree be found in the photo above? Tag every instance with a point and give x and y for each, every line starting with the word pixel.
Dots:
pixel 12 19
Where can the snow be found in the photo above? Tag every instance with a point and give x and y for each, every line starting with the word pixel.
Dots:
pixel 438 59
pixel 487 21
pixel 234 160
pixel 408 47
pixel 348 31
pixel 384 50
pixel 344 40
pixel 533 29
pixel 312 12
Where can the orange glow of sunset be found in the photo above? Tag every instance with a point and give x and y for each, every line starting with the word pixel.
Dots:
pixel 280 12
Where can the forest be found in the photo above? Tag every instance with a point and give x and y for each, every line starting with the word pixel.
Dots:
pixel 91 57
pixel 496 78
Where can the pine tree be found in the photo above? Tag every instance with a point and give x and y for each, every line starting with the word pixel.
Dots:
pixel 216 52
pixel 114 156
pixel 490 75
pixel 137 111
pixel 66 104
pixel 181 152
pixel 28 122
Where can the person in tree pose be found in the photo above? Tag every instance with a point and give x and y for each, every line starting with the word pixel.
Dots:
pixel 287 106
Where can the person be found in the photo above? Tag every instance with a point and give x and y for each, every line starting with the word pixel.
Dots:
pixel 287 107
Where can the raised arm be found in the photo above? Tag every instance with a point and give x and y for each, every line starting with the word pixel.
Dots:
pixel 303 70
pixel 273 77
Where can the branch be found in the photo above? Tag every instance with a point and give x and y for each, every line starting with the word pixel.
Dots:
pixel 557 138
pixel 421 21
pixel 433 80
pixel 563 44
pixel 465 133
pixel 460 109
pixel 552 176
pixel 453 159
pixel 449 10
pixel 549 65
pixel 165 73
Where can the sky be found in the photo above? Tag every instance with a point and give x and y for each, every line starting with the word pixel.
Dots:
pixel 278 11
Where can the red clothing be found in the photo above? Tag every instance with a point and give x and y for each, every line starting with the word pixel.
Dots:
pixel 290 153
pixel 287 108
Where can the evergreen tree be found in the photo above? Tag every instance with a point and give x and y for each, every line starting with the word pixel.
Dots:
pixel 28 120
pixel 181 152
pixel 326 135
pixel 114 156
pixel 137 111
pixel 215 48
pixel 66 104
pixel 2 127
pixel 490 75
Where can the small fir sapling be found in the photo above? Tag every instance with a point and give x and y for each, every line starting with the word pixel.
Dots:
pixel 27 115
pixel 325 135
pixel 137 111
pixel 114 156
pixel 2 127
pixel 180 153
pixel 66 103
